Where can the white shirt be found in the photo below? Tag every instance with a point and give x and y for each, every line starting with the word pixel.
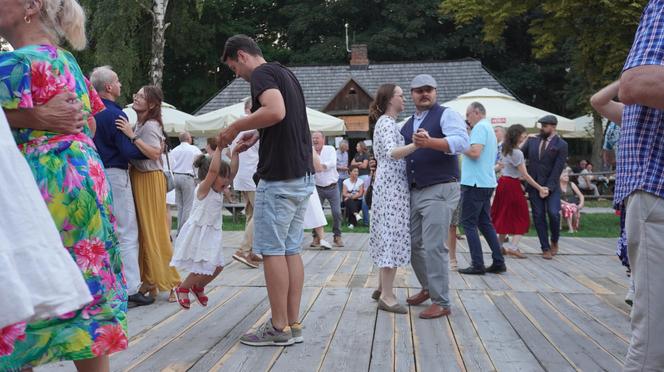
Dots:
pixel 328 159
pixel 182 158
pixel 248 162
pixel 353 187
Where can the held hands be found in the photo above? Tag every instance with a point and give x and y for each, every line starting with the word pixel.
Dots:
pixel 421 138
pixel 123 125
pixel 544 192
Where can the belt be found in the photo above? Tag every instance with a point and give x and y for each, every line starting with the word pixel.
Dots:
pixel 328 186
pixel 185 174
pixel 413 185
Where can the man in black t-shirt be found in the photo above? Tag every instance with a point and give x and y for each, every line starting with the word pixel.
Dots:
pixel 285 169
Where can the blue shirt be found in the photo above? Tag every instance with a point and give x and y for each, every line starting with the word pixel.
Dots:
pixel 114 147
pixel 480 172
pixel 452 125
pixel 641 157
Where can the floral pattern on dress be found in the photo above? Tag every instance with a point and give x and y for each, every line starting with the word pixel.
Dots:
pixel 71 179
pixel 389 240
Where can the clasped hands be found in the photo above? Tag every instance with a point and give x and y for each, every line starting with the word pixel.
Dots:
pixel 544 193
pixel 421 138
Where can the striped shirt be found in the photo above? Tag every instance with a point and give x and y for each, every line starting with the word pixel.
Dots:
pixel 641 158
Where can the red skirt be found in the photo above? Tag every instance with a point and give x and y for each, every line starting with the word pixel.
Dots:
pixel 509 212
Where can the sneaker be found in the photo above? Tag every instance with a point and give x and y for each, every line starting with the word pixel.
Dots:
pixel 241 257
pixel 267 335
pixel 315 243
pixel 325 244
pixel 351 226
pixel 296 331
pixel 358 216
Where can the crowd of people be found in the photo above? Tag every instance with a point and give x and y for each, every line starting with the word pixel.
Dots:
pixel 86 228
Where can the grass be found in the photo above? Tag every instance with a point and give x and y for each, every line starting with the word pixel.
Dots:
pixel 600 225
pixel 598 204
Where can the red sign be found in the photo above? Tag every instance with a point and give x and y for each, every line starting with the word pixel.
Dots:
pixel 498 120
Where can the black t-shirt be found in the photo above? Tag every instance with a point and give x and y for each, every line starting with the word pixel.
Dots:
pixel 285 150
pixel 359 158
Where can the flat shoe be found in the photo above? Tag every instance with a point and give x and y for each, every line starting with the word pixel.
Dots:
pixel 376 295
pixel 396 308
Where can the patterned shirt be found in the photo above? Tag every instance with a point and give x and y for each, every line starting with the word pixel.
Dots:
pixel 641 158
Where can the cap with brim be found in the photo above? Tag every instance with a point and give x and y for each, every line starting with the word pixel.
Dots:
pixel 548 119
pixel 423 80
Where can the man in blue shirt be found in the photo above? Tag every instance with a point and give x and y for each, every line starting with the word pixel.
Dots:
pixel 115 150
pixel 478 180
pixel 640 186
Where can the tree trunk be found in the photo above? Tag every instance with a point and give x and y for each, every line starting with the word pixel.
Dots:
pixel 598 141
pixel 158 41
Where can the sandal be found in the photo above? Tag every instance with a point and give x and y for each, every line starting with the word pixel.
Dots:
pixel 184 302
pixel 200 295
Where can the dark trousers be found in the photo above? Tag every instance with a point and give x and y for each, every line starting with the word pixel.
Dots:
pixel 331 194
pixel 541 208
pixel 476 214
pixel 352 206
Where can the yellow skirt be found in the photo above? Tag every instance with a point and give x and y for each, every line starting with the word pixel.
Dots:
pixel 155 248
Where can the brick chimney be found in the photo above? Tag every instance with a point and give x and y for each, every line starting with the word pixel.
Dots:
pixel 359 58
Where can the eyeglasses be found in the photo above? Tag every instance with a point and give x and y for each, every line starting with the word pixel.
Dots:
pixel 138 96
pixel 423 90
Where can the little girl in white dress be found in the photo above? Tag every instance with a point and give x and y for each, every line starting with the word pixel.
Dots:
pixel 198 248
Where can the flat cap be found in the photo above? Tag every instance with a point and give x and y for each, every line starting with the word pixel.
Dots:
pixel 423 80
pixel 548 119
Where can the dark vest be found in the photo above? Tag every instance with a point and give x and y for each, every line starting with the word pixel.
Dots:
pixel 428 167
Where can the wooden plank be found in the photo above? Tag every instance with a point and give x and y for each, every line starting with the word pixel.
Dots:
pixel 342 277
pixel 350 349
pixel 475 356
pixel 202 336
pixel 523 269
pixel 404 353
pixel 547 355
pixel 505 347
pixel 571 341
pixel 472 281
pixel 321 269
pixel 548 269
pixel 143 346
pixel 320 324
pixel 434 344
pixel 604 337
pixel 362 270
pixel 229 354
pixel 612 318
pixel 382 350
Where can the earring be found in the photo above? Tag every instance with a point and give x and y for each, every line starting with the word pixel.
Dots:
pixel 27 19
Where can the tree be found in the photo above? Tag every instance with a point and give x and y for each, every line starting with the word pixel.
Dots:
pixel 595 37
pixel 159 26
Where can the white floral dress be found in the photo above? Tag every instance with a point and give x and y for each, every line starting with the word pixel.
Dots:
pixel 389 240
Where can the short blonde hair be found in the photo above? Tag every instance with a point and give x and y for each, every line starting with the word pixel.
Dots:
pixel 64 19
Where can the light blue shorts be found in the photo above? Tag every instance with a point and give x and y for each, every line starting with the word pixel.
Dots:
pixel 279 216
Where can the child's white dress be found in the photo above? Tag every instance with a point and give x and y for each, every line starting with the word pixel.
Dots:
pixel 198 247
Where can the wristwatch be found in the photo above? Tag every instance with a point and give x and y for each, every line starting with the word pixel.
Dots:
pixel 134 138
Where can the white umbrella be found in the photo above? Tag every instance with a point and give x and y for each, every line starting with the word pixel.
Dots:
pixel 584 127
pixel 174 120
pixel 210 124
pixel 505 110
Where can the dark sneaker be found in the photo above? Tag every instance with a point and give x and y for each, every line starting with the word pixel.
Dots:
pixel 470 270
pixel 496 269
pixel 139 299
pixel 267 335
pixel 296 331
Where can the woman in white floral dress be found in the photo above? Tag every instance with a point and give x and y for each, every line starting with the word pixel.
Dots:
pixel 389 241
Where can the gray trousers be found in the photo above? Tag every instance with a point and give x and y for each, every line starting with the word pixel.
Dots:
pixel 645 232
pixel 431 212
pixel 332 195
pixel 184 197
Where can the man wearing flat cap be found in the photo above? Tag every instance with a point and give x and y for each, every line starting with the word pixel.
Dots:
pixel 433 175
pixel 546 155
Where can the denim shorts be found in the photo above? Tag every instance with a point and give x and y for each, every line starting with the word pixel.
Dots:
pixel 279 216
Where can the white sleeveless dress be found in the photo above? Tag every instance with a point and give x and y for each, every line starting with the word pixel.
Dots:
pixel 38 276
pixel 198 248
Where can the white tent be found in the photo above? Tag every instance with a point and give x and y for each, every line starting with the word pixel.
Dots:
pixel 174 120
pixel 584 127
pixel 505 110
pixel 210 124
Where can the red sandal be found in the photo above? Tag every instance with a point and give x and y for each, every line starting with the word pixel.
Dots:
pixel 184 302
pixel 200 295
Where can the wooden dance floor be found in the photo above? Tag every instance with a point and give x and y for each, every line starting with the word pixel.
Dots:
pixel 561 315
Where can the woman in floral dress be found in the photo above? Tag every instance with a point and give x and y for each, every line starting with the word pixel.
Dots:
pixel 389 240
pixel 72 182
